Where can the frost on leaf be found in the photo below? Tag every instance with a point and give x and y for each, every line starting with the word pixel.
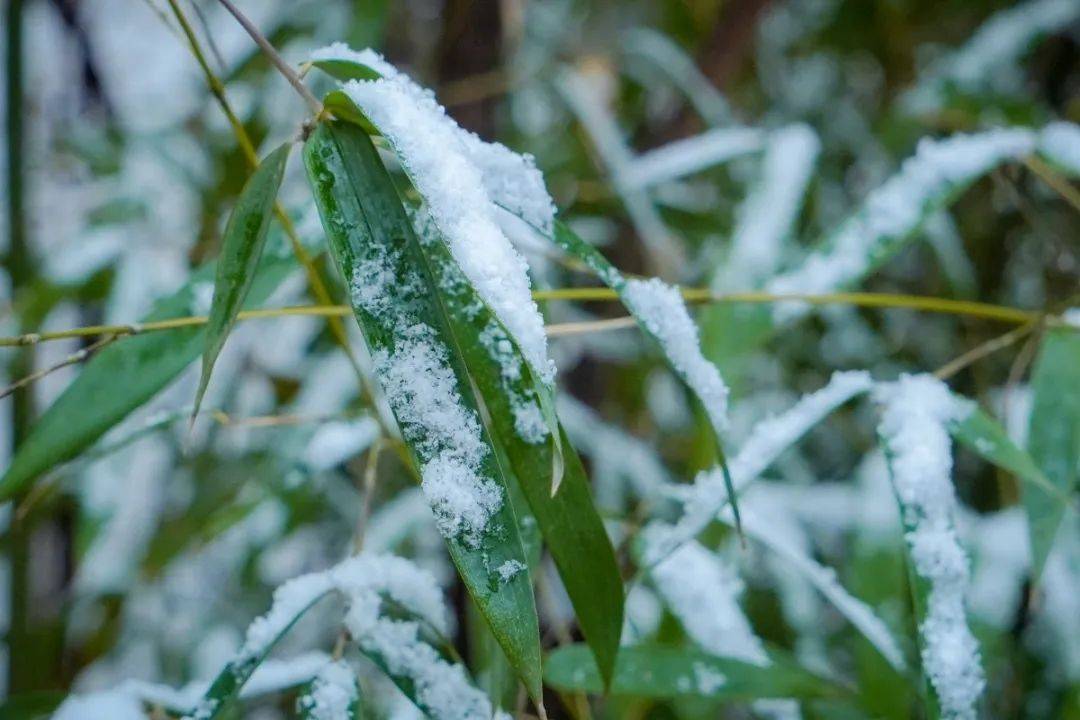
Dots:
pixel 917 410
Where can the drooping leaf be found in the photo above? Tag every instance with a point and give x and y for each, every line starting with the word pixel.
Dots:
pixel 566 239
pixel 514 398
pixel 241 248
pixel 124 375
pixel 1053 435
pixel 658 671
pixel 1044 502
pixel 398 307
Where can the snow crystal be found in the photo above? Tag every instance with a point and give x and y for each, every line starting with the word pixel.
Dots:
pixel 661 309
pixel 708 680
pixel 927 179
pixel 439 158
pixel 509 569
pixel 1059 142
pixel 421 388
pixel 333 691
pixel 917 409
pixel 766 217
pixel 202 297
pixel 529 422
pixel 689 155
pixel 105 705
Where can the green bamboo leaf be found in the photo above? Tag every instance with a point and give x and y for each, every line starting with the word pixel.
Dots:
pixel 515 400
pixel 333 694
pixel 657 671
pixel 124 375
pixel 1053 435
pixel 241 248
pixel 637 298
pixel 1044 502
pixel 398 307
pixel 291 601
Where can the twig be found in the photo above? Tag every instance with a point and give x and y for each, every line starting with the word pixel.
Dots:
pixel 977 353
pixel 272 54
pixel 985 311
pixel 1056 182
pixel 370 475
pixel 76 357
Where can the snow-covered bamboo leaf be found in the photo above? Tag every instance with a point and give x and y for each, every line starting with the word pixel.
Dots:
pixel 658 671
pixel 571 527
pixel 333 694
pixel 126 374
pixel 914 430
pixel 291 601
pixel 420 367
pixel 241 247
pixel 661 313
pixel 1044 502
pixel 1053 435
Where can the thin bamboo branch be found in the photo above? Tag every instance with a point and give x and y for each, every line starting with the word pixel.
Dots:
pixel 1054 179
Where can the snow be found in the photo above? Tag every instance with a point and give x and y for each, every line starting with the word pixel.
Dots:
pixel 421 388
pixel 766 217
pixel 104 705
pixel 1059 142
pixel 768 439
pixel 439 159
pixel 917 409
pixel 333 691
pixel 335 442
pixel 509 569
pixel 703 591
pixel 925 181
pixel 707 679
pixel 289 602
pixel 689 155
pixel 660 308
pixel 1071 317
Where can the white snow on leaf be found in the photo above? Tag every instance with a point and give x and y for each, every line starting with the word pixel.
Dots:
pixel 439 159
pixel 332 693
pixel 916 411
pixel 335 442
pixel 687 156
pixel 766 217
pixel 104 705
pixel 708 495
pixel 1059 142
pixel 661 309
pixel 925 181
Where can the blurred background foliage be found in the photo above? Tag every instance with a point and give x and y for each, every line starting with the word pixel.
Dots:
pixel 147 557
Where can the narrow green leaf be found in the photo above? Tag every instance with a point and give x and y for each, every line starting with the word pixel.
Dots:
pixel 568 240
pixel 123 376
pixel 241 248
pixel 1053 435
pixel 376 250
pixel 658 671
pixel 516 400
pixel 1044 502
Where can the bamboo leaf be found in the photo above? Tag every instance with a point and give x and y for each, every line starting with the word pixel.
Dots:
pixel 1044 502
pixel 123 376
pixel 242 246
pixel 657 671
pixel 646 301
pixel 1053 435
pixel 398 307
pixel 521 410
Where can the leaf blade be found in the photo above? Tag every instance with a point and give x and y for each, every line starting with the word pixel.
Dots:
pixel 242 247
pixel 363 215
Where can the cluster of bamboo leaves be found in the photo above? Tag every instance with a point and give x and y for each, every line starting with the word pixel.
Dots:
pixel 368 205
